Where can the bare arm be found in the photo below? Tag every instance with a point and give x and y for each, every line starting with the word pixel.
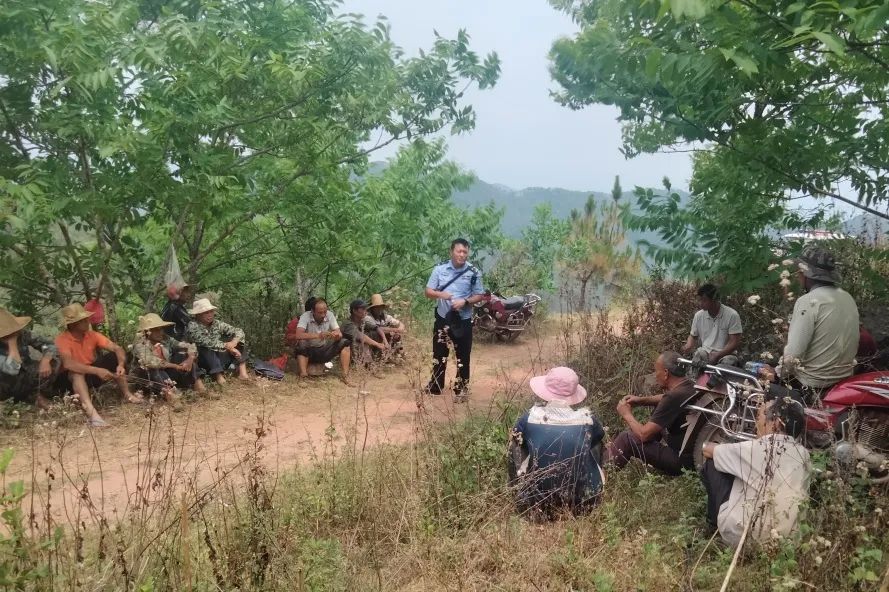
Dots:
pixel 302 335
pixel 689 344
pixel 730 347
pixel 74 366
pixel 437 294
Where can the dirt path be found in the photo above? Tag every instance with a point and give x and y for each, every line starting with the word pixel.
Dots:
pixel 139 454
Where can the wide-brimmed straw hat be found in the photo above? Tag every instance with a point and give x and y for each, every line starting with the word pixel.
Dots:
pixel 377 300
pixel 819 264
pixel 559 384
pixel 9 323
pixel 74 313
pixel 152 321
pixel 201 305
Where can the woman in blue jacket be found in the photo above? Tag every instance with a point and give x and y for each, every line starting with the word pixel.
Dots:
pixel 555 449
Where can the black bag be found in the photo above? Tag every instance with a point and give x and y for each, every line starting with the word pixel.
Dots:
pixel 267 370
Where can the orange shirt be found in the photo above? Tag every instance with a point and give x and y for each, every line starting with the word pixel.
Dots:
pixel 82 350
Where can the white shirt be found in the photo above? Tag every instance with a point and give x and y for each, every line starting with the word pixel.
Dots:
pixel 714 331
pixel 771 481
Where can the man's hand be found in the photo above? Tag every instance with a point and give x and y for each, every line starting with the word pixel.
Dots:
pixel 121 370
pixel 232 348
pixel 631 400
pixel 458 304
pixel 44 369
pixel 103 374
pixel 624 407
pixel 708 449
pixel 445 295
pixel 188 364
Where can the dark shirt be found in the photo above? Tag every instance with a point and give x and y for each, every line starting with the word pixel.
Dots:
pixel 26 340
pixel 670 415
pixel 175 312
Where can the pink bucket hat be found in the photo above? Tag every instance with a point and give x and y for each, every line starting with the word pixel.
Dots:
pixel 559 384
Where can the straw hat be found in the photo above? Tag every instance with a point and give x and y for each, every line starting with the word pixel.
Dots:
pixel 377 300
pixel 559 384
pixel 74 313
pixel 152 321
pixel 201 305
pixel 10 323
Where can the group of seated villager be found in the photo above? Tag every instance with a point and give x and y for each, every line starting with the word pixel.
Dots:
pixel 169 353
pixel 755 488
pixel 369 335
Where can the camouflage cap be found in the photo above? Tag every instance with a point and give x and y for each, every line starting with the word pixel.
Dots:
pixel 819 264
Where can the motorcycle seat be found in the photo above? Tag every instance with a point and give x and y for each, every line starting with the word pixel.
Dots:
pixel 514 302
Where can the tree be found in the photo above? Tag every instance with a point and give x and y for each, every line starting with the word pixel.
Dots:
pixel 780 99
pixel 596 251
pixel 239 131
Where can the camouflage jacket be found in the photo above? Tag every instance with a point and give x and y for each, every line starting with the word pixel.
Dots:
pixel 158 355
pixel 214 336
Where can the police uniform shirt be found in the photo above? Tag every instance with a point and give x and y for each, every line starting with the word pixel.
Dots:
pixel 468 284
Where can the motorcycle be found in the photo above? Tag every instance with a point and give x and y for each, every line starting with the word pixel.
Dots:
pixel 853 415
pixel 504 317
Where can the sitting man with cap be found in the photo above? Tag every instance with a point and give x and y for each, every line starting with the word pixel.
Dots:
pixel 82 365
pixel 555 449
pixel 316 338
pixel 822 340
pixel 391 328
pixel 155 352
pixel 367 340
pixel 175 310
pixel 21 374
pixel 219 344
pixel 658 441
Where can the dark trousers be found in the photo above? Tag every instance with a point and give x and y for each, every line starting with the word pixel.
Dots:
pixel 21 387
pixel 215 362
pixel 718 486
pixel 320 354
pixel 442 339
pixel 655 453
pixel 106 360
pixel 177 377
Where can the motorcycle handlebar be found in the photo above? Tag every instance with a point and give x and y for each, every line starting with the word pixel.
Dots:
pixel 721 371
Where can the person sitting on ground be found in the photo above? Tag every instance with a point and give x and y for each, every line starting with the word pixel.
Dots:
pixel 391 328
pixel 762 480
pixel 22 375
pixel 83 367
pixel 219 344
pixel 555 449
pixel 658 442
pixel 824 332
pixel 176 310
pixel 715 328
pixel 316 338
pixel 367 340
pixel 166 362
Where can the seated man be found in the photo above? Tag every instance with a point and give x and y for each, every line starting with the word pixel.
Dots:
pixel 83 368
pixel 176 312
pixel 316 338
pixel 761 481
pixel 391 328
pixel 366 339
pixel 220 345
pixel 824 332
pixel 658 442
pixel 555 448
pixel 165 361
pixel 716 328
pixel 20 374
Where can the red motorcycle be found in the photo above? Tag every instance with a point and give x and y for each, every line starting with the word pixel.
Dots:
pixel 853 415
pixel 504 317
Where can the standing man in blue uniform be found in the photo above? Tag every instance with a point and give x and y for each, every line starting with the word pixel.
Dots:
pixel 456 285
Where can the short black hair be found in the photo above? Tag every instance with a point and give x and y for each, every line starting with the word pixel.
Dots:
pixel 310 303
pixel 356 304
pixel 709 291
pixel 459 241
pixel 789 410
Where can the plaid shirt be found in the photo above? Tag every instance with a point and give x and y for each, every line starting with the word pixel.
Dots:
pixel 213 337
pixel 157 355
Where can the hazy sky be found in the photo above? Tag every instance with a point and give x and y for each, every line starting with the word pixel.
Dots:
pixel 522 137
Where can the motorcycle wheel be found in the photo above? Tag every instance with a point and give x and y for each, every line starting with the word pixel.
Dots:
pixel 709 432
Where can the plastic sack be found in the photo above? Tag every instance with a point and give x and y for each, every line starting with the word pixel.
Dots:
pixel 173 275
pixel 94 305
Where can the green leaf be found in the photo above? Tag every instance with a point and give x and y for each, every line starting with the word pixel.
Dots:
pixel 831 41
pixel 745 63
pixel 5 459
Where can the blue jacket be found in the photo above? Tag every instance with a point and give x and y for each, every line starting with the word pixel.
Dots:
pixel 555 452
